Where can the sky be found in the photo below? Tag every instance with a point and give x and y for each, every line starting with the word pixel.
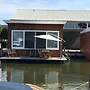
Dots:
pixel 9 7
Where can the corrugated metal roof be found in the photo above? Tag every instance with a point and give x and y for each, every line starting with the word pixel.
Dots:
pixel 63 15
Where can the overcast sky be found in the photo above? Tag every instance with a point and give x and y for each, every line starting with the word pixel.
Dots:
pixel 8 7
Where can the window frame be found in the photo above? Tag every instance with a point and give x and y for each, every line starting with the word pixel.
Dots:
pixel 57 42
pixel 23 31
pixel 13 41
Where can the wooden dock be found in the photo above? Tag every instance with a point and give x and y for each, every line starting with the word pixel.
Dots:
pixel 33 59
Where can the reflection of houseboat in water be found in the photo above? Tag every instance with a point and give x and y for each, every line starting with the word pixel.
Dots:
pixel 48 76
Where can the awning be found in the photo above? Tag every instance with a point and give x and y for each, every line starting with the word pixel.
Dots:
pixel 48 37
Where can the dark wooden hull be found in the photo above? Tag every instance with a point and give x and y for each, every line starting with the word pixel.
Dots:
pixel 31 60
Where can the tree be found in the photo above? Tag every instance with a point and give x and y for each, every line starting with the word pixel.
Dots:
pixel 3 36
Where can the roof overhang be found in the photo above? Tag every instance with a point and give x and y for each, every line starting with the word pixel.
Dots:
pixel 36 21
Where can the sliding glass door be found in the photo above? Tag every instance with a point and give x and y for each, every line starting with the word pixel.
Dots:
pixel 29 40
pixel 40 43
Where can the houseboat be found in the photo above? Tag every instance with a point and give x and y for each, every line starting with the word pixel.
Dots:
pixel 35 35
pixel 39 33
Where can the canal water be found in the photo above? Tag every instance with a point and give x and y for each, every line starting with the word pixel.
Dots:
pixel 72 75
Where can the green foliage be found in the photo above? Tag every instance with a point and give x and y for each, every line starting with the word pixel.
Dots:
pixel 1 29
pixel 3 36
pixel 4 33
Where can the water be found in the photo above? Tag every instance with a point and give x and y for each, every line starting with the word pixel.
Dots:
pixel 66 76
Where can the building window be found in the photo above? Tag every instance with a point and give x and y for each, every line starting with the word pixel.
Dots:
pixel 75 25
pixel 25 39
pixel 40 43
pixel 17 39
pixel 29 39
pixel 51 44
pixel 71 25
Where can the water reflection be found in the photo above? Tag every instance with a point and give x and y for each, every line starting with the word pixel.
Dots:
pixel 49 76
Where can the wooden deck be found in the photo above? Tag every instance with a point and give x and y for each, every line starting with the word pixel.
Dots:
pixel 75 53
pixel 34 59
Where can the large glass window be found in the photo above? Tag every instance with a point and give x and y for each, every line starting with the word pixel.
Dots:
pixel 40 43
pixel 17 39
pixel 51 43
pixel 29 39
pixel 25 39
